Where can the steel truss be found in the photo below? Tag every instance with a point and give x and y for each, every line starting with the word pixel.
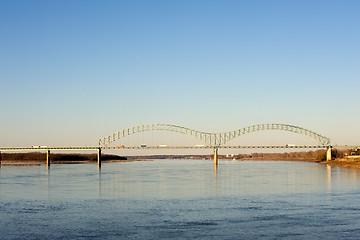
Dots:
pixel 212 139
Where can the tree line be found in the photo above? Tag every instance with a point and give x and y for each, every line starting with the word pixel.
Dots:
pixel 56 157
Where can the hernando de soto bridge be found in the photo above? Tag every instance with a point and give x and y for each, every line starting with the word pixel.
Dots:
pixel 211 140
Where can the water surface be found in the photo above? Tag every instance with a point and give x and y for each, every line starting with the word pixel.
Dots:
pixel 180 199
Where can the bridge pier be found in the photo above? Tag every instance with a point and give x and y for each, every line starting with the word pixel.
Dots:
pixel 215 157
pixel 99 157
pixel 328 154
pixel 48 158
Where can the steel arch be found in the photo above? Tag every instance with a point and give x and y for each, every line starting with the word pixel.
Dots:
pixel 212 139
pixel 225 137
pixel 154 127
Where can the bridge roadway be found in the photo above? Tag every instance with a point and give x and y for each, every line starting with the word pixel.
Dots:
pixel 89 148
pixel 211 147
pixel 11 149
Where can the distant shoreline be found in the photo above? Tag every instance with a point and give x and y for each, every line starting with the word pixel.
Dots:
pixel 344 162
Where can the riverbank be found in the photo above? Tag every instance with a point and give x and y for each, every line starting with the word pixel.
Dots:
pixel 349 162
pixel 338 162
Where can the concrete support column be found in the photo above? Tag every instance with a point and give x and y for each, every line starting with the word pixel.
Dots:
pixel 99 157
pixel 215 156
pixel 328 154
pixel 48 157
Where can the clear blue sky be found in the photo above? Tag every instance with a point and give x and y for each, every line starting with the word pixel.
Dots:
pixel 74 71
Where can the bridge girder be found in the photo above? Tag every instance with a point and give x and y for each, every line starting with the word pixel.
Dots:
pixel 212 139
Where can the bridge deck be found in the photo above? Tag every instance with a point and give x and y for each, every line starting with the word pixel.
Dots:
pixel 211 147
pixel 87 148
pixel 10 149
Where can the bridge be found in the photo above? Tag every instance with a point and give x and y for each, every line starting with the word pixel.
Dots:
pixel 213 141
pixel 217 140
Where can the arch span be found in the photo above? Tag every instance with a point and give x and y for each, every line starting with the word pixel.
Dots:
pixel 203 136
pixel 225 137
pixel 212 139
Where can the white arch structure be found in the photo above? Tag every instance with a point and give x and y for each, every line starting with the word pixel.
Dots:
pixel 212 139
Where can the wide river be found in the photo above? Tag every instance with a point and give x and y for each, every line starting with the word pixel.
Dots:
pixel 180 199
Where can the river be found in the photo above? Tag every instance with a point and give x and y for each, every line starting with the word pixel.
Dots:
pixel 180 199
